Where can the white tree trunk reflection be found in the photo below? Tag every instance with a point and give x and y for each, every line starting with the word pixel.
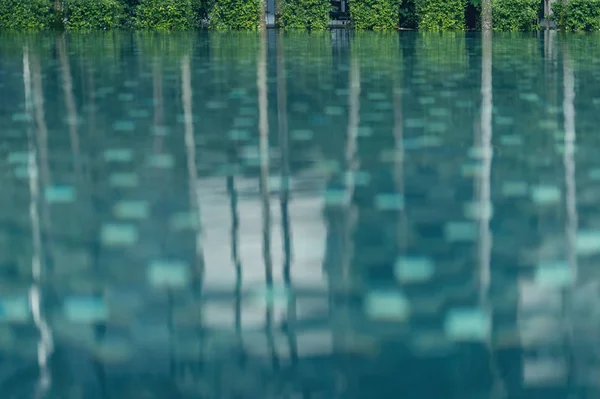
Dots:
pixel 351 166
pixel 45 345
pixel 399 162
pixel 73 118
pixel 157 97
pixel 190 147
pixel 569 159
pixel 40 118
pixel 486 151
pixel 485 202
pixel 284 196
pixel 263 129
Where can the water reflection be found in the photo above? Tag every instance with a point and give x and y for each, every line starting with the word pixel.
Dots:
pixel 287 215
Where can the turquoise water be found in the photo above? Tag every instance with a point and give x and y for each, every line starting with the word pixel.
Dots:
pixel 301 216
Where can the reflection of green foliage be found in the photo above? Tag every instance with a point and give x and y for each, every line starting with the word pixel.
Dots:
pixel 100 53
pixel 234 46
pixel 232 71
pixel 577 15
pixel 441 15
pixel 24 15
pixel 167 47
pixel 307 58
pixel 584 54
pixel 515 48
pixel 235 15
pixel 307 46
pixel 97 48
pixel 233 56
pixel 515 15
pixel 93 14
pixel 308 63
pixel 310 74
pixel 164 15
pixel 305 14
pixel 442 50
pixel 377 52
pixel 40 44
pixel 375 14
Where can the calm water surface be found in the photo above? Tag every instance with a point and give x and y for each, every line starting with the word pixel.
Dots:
pixel 306 216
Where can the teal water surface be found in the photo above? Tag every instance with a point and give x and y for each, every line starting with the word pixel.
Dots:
pixel 334 215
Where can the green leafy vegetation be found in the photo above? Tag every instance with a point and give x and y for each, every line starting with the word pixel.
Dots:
pixel 85 15
pixel 441 15
pixel 302 15
pixel 24 15
pixel 235 15
pixel 577 15
pixel 379 15
pixel 200 10
pixel 305 14
pixel 164 15
pixel 515 15
pixel 408 15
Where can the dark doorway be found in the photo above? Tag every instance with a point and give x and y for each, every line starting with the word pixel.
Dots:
pixel 473 16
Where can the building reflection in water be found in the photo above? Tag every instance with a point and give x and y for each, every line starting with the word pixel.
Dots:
pixel 391 254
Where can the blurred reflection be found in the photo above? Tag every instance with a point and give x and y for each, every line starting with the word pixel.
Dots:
pixel 337 215
pixel 36 291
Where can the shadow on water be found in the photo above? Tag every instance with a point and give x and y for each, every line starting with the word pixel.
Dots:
pixel 270 215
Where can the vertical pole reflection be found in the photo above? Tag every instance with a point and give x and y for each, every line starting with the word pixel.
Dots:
pixel 485 235
pixel 569 158
pixel 40 118
pixel 351 165
pixel 235 256
pixel 263 128
pixel 343 283
pixel 399 160
pixel 486 151
pixel 41 140
pixel 67 82
pixel 284 195
pixel 157 97
pixel 190 149
pixel 570 186
pixel 45 345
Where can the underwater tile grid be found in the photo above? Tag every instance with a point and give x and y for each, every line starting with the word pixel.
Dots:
pixel 335 215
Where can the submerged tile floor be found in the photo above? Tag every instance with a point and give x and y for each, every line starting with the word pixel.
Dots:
pixel 361 226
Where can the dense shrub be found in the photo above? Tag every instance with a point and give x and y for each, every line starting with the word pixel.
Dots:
pixel 305 14
pixel 200 9
pixel 235 15
pixel 375 14
pixel 24 15
pixel 164 15
pixel 577 15
pixel 441 15
pixel 515 15
pixel 408 15
pixel 93 14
